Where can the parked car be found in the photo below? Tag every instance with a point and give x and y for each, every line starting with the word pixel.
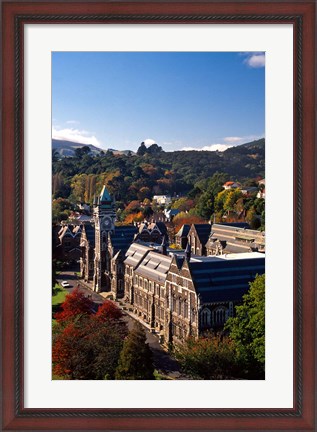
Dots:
pixel 65 284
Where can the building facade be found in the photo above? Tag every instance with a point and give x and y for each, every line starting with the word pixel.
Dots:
pixel 103 248
pixel 179 295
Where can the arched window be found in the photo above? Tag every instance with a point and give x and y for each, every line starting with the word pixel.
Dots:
pixel 220 316
pixel 205 317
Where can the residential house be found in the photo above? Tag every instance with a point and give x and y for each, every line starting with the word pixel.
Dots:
pixel 231 185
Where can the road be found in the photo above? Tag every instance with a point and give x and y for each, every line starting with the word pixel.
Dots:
pixel 163 361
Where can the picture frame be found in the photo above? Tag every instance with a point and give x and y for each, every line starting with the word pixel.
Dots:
pixel 301 14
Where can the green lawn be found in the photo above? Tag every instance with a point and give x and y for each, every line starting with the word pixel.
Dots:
pixel 59 294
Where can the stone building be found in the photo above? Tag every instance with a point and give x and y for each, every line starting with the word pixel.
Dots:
pixel 103 247
pixel 181 237
pixel 198 236
pixel 87 244
pixel 67 246
pixel 180 294
pixel 151 232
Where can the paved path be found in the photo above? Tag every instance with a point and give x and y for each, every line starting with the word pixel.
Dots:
pixel 163 361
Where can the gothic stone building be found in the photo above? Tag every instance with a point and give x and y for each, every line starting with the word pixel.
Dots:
pixel 178 295
pixel 198 236
pixel 67 242
pixel 151 232
pixel 103 248
pixel 218 239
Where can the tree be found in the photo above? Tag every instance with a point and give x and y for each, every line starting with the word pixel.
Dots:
pixel 88 348
pixel 205 205
pixel 76 303
pixel 81 151
pixel 211 357
pixel 108 311
pixel 247 328
pixel 135 361
pixel 186 218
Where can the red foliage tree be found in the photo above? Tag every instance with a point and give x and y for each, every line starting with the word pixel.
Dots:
pixel 64 349
pixel 75 304
pixel 88 348
pixel 108 311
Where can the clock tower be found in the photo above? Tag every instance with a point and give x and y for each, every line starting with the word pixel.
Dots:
pixel 104 217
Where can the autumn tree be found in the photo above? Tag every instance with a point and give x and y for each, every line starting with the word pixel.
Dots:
pixel 108 311
pixel 76 303
pixel 136 362
pixel 88 348
pixel 247 328
pixel 186 218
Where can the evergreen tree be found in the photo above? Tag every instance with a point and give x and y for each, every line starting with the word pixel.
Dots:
pixel 135 361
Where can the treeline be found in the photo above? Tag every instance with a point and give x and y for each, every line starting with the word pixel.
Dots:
pixel 150 172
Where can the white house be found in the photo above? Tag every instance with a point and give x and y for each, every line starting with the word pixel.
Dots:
pixel 162 199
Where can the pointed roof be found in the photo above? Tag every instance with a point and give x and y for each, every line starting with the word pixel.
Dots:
pixel 104 195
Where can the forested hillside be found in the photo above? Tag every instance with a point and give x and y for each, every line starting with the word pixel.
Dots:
pixel 151 171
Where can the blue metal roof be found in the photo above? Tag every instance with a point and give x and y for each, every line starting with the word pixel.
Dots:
pixel 220 279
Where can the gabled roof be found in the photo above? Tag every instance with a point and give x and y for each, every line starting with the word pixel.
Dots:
pixel 184 230
pixel 203 231
pixel 154 266
pixel 160 225
pixel 77 229
pixel 135 253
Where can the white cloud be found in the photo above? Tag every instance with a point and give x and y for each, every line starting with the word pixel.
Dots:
pixel 242 140
pixel 212 147
pixel 255 60
pixel 75 135
pixel 148 142
pixel 228 143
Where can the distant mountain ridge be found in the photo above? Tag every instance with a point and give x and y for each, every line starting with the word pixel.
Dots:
pixel 67 148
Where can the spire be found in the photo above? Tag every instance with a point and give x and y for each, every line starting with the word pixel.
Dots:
pixel 188 251
pixel 104 196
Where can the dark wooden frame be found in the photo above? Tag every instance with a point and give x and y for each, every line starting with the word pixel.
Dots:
pixel 302 416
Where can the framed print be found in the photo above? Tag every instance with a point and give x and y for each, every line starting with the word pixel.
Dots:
pixel 115 61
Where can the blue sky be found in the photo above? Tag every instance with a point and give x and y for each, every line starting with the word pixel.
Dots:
pixel 198 100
